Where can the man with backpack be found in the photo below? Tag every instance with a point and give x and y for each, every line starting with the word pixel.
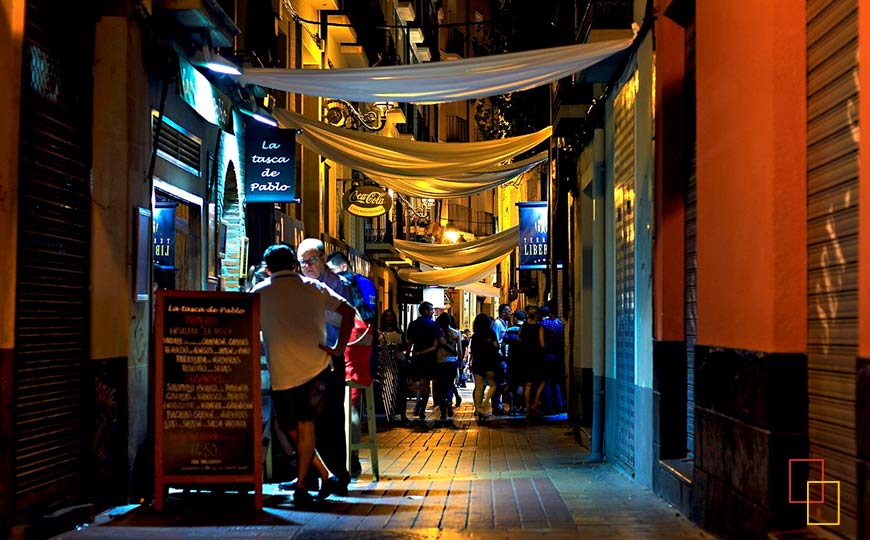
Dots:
pixel 360 357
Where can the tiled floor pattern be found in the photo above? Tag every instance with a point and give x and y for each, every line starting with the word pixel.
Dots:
pixel 504 479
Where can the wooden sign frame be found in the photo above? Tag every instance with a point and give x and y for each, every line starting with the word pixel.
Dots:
pixel 161 478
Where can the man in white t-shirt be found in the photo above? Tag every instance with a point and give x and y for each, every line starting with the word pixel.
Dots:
pixel 294 311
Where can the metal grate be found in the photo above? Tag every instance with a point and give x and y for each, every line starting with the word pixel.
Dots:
pixel 52 304
pixel 691 254
pixel 832 257
pixel 624 213
pixel 177 146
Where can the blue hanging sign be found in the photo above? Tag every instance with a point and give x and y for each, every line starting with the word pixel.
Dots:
pixel 164 234
pixel 533 235
pixel 270 165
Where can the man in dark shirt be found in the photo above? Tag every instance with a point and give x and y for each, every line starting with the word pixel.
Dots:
pixel 554 358
pixel 512 354
pixel 422 336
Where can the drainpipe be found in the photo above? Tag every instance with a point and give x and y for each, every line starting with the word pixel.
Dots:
pixel 598 298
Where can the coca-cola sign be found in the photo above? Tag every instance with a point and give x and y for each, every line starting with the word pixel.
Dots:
pixel 367 201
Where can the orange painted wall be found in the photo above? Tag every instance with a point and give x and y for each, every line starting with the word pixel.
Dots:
pixel 751 75
pixel 11 38
pixel 668 249
pixel 864 185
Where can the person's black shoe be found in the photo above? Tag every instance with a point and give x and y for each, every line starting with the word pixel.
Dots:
pixel 498 411
pixel 458 401
pixel 302 498
pixel 289 486
pixel 332 486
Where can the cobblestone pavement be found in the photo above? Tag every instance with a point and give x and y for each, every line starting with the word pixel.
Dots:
pixel 505 479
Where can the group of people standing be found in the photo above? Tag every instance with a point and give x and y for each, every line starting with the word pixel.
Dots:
pixel 514 360
pixel 318 323
pixel 317 316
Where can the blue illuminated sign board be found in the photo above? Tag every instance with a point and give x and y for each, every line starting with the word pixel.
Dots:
pixel 208 101
pixel 533 235
pixel 270 165
pixel 164 234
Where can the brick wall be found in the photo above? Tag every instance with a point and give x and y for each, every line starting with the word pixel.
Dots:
pixel 231 203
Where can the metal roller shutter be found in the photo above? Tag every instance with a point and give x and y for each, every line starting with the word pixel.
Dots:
pixel 691 253
pixel 624 110
pixel 52 306
pixel 832 231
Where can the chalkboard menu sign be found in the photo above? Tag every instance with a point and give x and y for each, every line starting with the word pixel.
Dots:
pixel 208 415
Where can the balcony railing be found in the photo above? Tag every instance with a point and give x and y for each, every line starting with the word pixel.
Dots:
pixel 375 235
pixel 478 223
pixel 455 42
pixel 605 15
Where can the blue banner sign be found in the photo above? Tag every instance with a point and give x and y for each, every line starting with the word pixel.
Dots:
pixel 533 235
pixel 164 234
pixel 270 165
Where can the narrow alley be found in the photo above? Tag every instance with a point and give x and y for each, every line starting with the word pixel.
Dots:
pixel 505 479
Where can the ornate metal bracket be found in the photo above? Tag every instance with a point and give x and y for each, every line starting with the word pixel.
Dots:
pixel 341 113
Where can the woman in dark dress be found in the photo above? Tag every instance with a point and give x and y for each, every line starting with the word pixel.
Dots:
pixel 532 340
pixel 484 360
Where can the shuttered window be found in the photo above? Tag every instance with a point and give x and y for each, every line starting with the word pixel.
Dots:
pixel 178 146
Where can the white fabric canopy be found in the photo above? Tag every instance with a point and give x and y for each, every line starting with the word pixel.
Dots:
pixel 477 251
pixel 390 157
pixel 456 276
pixel 459 185
pixel 482 289
pixel 440 82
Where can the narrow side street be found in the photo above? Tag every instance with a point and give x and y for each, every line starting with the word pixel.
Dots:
pixel 505 479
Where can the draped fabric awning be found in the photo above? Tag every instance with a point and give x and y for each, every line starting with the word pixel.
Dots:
pixel 456 276
pixel 459 185
pixel 392 157
pixel 440 82
pixel 477 251
pixel 482 289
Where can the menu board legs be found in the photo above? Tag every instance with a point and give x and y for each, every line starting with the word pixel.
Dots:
pixel 207 414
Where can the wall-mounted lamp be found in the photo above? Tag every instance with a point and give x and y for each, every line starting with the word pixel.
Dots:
pixel 214 62
pixel 451 235
pixel 341 113
pixel 260 115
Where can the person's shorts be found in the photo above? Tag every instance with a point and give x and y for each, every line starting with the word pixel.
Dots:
pixel 301 403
